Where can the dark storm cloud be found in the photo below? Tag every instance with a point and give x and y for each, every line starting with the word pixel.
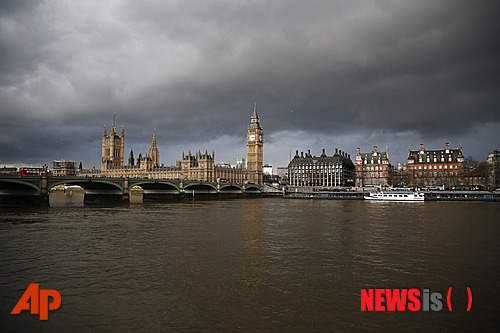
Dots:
pixel 350 73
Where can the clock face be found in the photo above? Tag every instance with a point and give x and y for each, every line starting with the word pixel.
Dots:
pixel 251 137
pixel 260 138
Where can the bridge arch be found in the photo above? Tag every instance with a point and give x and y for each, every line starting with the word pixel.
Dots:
pixel 13 186
pixel 90 184
pixel 200 187
pixel 231 188
pixel 253 189
pixel 158 185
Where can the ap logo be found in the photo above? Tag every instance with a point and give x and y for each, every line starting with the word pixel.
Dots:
pixel 37 300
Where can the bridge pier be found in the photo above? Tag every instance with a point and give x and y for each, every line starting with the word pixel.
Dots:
pixel 125 186
pixel 44 192
pixel 136 195
pixel 66 196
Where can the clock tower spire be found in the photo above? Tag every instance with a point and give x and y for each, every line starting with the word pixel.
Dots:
pixel 255 144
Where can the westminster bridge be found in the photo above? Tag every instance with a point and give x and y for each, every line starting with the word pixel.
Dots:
pixel 35 189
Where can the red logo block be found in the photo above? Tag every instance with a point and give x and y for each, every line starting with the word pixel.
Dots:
pixel 37 300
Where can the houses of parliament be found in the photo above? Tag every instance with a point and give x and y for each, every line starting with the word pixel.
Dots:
pixel 192 166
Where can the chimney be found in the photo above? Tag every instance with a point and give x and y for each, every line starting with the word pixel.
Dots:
pixel 336 151
pixel 302 154
pixel 447 145
pixel 357 150
pixel 375 149
pixel 421 147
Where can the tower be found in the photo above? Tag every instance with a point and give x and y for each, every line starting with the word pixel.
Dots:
pixel 112 147
pixel 255 144
pixel 131 159
pixel 153 154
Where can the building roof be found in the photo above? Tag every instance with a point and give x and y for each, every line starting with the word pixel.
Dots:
pixel 254 115
pixel 375 156
pixel 339 156
pixel 254 119
pixel 438 153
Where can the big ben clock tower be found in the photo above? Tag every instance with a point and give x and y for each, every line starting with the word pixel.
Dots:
pixel 255 143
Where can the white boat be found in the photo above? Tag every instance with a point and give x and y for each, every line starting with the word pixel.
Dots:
pixel 396 196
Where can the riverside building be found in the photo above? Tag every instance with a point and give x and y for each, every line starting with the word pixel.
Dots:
pixel 63 168
pixel 321 171
pixel 192 166
pixel 372 168
pixel 436 166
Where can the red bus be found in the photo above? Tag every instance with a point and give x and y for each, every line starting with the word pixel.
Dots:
pixel 32 171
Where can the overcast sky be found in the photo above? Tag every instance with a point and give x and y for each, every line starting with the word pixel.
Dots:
pixel 324 74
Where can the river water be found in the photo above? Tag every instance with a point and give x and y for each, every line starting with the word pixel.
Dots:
pixel 250 265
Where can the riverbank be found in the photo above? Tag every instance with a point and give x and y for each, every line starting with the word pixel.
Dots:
pixel 429 195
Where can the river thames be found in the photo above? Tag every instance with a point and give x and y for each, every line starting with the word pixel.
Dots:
pixel 250 265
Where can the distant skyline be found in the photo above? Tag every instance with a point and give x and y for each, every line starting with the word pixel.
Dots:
pixel 324 74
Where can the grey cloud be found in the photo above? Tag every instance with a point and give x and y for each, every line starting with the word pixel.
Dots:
pixel 192 69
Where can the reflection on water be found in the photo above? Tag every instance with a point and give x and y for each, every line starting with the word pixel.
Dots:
pixel 254 263
pixel 251 265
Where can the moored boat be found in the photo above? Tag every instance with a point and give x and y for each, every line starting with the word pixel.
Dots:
pixel 396 196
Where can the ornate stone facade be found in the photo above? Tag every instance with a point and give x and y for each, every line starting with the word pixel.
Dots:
pixel 255 144
pixel 199 166
pixel 112 148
